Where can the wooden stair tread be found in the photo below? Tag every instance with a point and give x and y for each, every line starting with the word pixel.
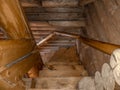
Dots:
pixel 59 73
pixel 52 89
pixel 64 67
pixel 57 82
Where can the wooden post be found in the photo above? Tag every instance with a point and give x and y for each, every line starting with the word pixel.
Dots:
pixel 13 22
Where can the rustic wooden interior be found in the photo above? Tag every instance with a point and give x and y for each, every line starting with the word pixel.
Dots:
pixel 58 35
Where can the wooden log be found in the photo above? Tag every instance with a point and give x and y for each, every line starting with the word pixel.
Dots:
pixel 98 81
pixel 116 73
pixel 108 77
pixel 68 23
pixel 61 3
pixel 54 17
pixel 86 83
pixel 115 64
pixel 114 59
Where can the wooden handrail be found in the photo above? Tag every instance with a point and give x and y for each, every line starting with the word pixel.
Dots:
pixel 45 39
pixel 105 47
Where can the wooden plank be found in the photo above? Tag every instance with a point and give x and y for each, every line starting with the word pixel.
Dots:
pixel 38 23
pixel 58 83
pixel 54 16
pixel 61 41
pixel 54 38
pixel 54 44
pixel 28 4
pixel 85 2
pixel 60 73
pixel 41 32
pixel 53 10
pixel 68 23
pixel 40 37
pixel 56 28
pixel 33 83
pixel 60 3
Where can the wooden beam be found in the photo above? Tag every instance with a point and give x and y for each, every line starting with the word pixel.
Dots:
pixel 45 39
pixel 56 28
pixel 28 4
pixel 60 44
pixel 85 2
pixel 60 3
pixel 53 10
pixel 55 38
pixel 68 23
pixel 41 32
pixel 38 23
pixel 54 17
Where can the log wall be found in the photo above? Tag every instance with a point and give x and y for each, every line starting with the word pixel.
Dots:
pixel 102 23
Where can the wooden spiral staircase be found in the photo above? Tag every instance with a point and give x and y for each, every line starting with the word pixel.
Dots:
pixel 54 30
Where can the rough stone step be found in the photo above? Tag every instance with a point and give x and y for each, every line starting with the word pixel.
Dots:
pixel 58 82
pixel 62 73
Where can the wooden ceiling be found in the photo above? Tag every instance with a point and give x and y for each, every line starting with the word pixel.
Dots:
pixel 47 16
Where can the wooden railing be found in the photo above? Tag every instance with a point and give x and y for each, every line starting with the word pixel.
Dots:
pixel 105 47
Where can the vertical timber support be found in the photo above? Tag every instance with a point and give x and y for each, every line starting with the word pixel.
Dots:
pixel 20 43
